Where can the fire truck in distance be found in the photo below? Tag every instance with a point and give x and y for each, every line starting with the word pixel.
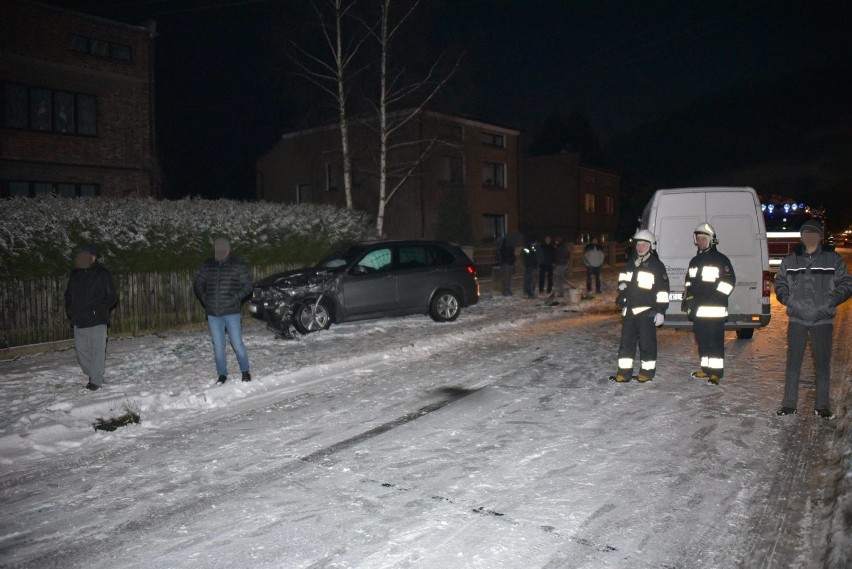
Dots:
pixel 783 221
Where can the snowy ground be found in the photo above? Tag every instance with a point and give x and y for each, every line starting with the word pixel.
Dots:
pixel 492 442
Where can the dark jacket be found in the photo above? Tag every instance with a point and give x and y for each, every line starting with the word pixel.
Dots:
pixel 507 253
pixel 547 255
pixel 710 279
pixel 221 286
pixel 89 296
pixel 647 287
pixel 812 286
pixel 530 256
pixel 562 255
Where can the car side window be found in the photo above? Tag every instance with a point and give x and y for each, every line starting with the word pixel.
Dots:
pixel 441 256
pixel 375 262
pixel 414 257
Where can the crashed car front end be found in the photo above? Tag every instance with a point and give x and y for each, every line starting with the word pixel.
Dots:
pixel 276 298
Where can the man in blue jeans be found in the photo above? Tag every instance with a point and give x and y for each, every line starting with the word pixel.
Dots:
pixel 221 284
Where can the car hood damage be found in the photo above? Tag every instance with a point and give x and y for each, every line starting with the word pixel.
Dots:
pixel 278 296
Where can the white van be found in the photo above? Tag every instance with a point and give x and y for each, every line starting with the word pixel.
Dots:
pixel 735 214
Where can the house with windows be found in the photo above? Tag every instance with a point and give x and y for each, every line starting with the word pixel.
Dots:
pixel 77 100
pixel 561 196
pixel 453 162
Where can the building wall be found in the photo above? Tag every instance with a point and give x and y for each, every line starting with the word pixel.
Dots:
pixel 35 51
pixel 603 185
pixel 553 198
pixel 301 158
pixel 550 196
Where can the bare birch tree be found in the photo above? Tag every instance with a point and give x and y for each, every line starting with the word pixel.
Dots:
pixel 394 91
pixel 331 71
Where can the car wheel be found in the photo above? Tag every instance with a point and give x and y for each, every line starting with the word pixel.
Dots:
pixel 445 306
pixel 312 317
pixel 745 333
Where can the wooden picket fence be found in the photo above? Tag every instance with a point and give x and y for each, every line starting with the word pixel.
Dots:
pixel 32 311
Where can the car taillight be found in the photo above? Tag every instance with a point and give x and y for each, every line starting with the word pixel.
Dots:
pixel 471 269
pixel 767 283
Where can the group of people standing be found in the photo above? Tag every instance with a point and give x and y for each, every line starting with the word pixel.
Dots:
pixel 221 284
pixel 551 260
pixel 812 281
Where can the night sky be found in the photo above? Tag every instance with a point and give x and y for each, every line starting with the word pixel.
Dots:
pixel 753 92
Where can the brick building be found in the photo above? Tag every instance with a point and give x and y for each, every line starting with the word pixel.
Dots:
pixel 560 196
pixel 477 159
pixel 77 104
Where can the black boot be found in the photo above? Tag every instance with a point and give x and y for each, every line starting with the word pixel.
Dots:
pixel 246 376
pixel 92 386
pixel 222 379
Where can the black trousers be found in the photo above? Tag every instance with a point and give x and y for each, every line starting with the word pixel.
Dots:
pixel 596 272
pixel 545 271
pixel 638 328
pixel 710 335
pixel 797 340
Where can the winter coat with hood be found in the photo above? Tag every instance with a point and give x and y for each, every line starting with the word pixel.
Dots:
pixel 811 286
pixel 89 296
pixel 222 285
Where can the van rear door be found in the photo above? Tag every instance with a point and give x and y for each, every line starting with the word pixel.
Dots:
pixel 736 216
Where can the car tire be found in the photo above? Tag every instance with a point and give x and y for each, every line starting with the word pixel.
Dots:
pixel 445 306
pixel 745 333
pixel 307 321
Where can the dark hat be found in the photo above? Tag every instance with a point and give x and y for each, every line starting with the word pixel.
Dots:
pixel 812 226
pixel 90 249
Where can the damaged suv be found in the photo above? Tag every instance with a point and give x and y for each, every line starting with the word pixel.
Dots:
pixel 369 279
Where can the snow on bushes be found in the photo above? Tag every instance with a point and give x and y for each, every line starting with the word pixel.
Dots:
pixel 38 236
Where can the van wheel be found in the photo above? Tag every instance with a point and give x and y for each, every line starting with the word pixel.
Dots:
pixel 312 316
pixel 445 306
pixel 745 333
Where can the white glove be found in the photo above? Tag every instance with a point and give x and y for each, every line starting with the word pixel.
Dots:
pixel 659 319
pixel 622 286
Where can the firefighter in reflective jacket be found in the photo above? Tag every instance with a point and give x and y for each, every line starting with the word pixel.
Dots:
pixel 709 282
pixel 643 297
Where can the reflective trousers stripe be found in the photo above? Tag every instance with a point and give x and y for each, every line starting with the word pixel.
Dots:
pixel 711 312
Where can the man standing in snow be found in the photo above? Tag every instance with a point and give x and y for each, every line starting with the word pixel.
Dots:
pixel 221 284
pixel 89 297
pixel 593 258
pixel 812 282
pixel 529 257
pixel 545 269
pixel 709 282
pixel 507 265
pixel 643 297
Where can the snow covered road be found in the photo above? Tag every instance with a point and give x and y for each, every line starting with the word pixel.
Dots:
pixel 491 442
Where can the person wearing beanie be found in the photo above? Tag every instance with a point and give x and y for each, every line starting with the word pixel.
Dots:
pixel 812 282
pixel 221 285
pixel 89 297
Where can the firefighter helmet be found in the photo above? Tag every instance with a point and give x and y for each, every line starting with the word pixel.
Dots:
pixel 645 235
pixel 705 228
